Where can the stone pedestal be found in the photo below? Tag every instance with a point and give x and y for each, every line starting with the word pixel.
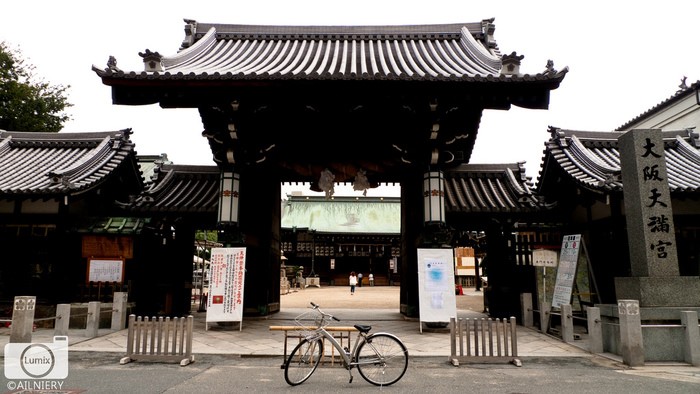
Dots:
pixel 660 344
pixel 660 291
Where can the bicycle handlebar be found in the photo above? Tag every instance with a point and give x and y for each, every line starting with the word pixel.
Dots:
pixel 318 308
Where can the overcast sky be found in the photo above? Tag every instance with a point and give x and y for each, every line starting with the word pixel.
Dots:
pixel 623 58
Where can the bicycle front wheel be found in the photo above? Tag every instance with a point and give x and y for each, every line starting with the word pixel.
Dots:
pixel 303 360
pixel 382 359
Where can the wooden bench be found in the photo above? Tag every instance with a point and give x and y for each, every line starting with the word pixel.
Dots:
pixel 339 332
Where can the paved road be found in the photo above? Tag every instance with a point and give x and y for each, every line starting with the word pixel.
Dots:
pixel 249 360
pixel 93 373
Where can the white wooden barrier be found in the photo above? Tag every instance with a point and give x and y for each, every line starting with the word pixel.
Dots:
pixel 159 339
pixel 483 340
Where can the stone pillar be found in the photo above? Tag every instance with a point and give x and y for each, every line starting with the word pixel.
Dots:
pixel 544 316
pixel 62 319
pixel 119 309
pixel 93 319
pixel 567 323
pixel 23 319
pixel 689 319
pixel 631 340
pixel 526 308
pixel 655 279
pixel 595 330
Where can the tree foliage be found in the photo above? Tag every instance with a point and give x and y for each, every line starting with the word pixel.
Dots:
pixel 26 102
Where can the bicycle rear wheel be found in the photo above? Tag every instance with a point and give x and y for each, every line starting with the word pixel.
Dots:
pixel 303 360
pixel 382 359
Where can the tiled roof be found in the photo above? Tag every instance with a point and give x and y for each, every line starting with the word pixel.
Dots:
pixel 180 188
pixel 592 159
pixel 450 52
pixel 111 225
pixel 149 165
pixel 59 163
pixel 489 188
pixel 468 188
pixel 682 93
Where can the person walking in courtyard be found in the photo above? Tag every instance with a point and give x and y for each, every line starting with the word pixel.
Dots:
pixel 359 279
pixel 371 279
pixel 353 282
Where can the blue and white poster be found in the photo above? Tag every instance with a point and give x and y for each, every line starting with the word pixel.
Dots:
pixel 436 285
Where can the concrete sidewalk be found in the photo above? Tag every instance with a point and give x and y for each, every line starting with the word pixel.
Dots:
pixel 377 306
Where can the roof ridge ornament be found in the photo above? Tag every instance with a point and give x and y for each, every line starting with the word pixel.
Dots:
pixel 511 63
pixel 325 182
pixel 112 64
pixel 683 86
pixel 550 67
pixel 153 61
pixel 190 31
pixel 361 182
pixel 487 29
pixel 694 136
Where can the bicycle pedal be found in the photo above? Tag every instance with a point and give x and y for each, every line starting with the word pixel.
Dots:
pixel 350 379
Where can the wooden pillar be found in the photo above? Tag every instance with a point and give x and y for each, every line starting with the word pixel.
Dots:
pixel 259 221
pixel 412 224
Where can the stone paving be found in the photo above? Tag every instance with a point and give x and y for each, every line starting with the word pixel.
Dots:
pixel 377 306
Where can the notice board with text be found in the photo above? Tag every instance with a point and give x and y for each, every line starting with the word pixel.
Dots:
pixel 226 285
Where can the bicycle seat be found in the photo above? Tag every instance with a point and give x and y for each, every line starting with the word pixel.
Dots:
pixel 362 328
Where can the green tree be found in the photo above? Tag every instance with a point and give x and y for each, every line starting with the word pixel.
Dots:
pixel 26 102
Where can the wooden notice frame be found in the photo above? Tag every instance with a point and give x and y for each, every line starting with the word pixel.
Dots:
pixel 105 269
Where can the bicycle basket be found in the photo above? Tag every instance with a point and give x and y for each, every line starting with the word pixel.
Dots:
pixel 311 320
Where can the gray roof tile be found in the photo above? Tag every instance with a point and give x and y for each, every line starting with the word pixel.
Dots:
pixel 489 188
pixel 453 52
pixel 592 159
pixel 180 188
pixel 59 163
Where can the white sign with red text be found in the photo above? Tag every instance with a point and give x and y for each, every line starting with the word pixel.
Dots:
pixel 226 284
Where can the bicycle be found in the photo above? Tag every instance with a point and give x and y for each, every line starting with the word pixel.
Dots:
pixel 381 358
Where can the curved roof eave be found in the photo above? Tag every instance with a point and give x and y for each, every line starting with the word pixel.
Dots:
pixel 592 160
pixel 58 164
pixel 239 55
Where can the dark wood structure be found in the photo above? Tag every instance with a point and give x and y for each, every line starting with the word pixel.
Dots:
pixel 57 210
pixel 283 103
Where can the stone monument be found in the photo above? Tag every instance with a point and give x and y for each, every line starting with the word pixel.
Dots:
pixel 655 281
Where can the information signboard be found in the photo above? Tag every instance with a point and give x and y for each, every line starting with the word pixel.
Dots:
pixel 566 272
pixel 105 270
pixel 436 285
pixel 226 284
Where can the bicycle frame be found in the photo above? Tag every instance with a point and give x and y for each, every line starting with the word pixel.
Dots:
pixel 347 356
pixel 383 363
